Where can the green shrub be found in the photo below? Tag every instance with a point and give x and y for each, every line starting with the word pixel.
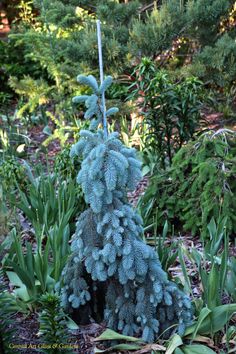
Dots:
pixel 171 109
pixel 204 17
pixel 11 174
pixel 49 200
pixel 216 64
pixel 200 184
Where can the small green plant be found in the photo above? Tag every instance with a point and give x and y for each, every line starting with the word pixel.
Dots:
pixel 34 272
pixel 12 173
pixel 49 203
pixel 53 325
pixel 30 274
pixel 167 253
pixel 213 268
pixel 49 200
pixel 211 263
pixel 13 135
pixel 171 110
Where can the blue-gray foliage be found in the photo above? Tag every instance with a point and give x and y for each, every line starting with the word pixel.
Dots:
pixel 93 102
pixel 108 247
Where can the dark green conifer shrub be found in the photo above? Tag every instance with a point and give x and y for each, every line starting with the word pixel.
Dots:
pixel 111 270
pixel 204 17
pixel 217 63
pixel 200 184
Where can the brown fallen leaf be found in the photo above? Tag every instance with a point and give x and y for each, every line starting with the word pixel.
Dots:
pixel 149 347
pixel 203 339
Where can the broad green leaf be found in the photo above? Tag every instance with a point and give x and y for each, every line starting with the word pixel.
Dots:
pixel 187 285
pixel 97 350
pixel 118 347
pixel 197 349
pixel 21 290
pixel 109 334
pixel 215 321
pixel 203 314
pixel 14 279
pixel 27 280
pixel 71 324
pixel 178 351
pixel 145 170
pixel 174 343
pixel 22 293
pixel 213 286
pixel 47 130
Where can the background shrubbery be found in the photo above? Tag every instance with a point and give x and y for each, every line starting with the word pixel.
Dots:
pixel 199 185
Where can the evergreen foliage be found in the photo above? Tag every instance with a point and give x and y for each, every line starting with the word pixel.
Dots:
pixel 57 38
pixel 204 18
pixel 200 184
pixel 217 63
pixel 155 33
pixel 108 253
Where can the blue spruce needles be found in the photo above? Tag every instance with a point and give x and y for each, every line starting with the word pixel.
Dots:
pixel 108 254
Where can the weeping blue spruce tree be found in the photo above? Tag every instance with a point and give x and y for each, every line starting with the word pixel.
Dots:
pixel 111 270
